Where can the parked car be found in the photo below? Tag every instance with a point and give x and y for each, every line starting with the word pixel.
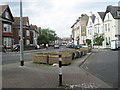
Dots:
pixel 77 46
pixel 115 44
pixel 56 46
pixel 70 45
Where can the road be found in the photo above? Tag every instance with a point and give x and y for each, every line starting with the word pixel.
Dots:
pixel 104 65
pixel 14 57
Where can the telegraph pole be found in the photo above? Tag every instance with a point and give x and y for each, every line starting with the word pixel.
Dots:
pixel 21 36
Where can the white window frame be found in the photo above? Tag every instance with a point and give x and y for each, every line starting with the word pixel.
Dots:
pixel 7 27
pixel 27 33
pixel 7 41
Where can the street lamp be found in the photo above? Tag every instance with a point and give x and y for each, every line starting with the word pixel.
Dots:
pixel 21 36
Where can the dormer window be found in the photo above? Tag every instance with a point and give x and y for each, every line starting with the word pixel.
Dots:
pixel 118 13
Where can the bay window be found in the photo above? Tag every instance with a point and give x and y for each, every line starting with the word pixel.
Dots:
pixel 7 41
pixel 7 28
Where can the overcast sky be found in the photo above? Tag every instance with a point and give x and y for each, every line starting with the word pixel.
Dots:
pixel 58 15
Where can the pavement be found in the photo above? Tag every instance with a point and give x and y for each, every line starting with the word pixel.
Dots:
pixel 46 76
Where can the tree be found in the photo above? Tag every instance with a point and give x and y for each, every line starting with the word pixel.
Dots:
pixel 98 39
pixel 88 41
pixel 46 36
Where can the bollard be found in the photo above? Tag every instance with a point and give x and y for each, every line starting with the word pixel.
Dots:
pixel 60 70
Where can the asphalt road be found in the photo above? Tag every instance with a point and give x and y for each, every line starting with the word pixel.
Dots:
pixel 104 65
pixel 14 57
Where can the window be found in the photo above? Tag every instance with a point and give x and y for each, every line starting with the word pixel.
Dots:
pixel 118 13
pixel 90 23
pixel 109 40
pixel 7 15
pixel 108 27
pixel 105 27
pixel 28 42
pixel 90 31
pixel 98 20
pixel 108 17
pixel 27 33
pixel 7 41
pixel 7 28
pixel 98 29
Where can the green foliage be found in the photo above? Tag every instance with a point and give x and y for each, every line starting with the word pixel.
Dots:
pixel 88 41
pixel 46 36
pixel 98 39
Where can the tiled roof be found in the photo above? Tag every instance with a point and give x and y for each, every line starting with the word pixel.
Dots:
pixel 93 17
pixel 2 9
pixel 17 21
pixel 33 26
pixel 113 10
pixel 102 14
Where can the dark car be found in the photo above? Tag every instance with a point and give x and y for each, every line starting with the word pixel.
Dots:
pixel 70 45
pixel 77 46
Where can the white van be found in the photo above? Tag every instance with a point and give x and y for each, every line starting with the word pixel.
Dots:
pixel 115 44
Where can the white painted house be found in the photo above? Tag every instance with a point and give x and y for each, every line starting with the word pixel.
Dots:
pixel 98 24
pixel 90 28
pixel 112 24
pixel 79 30
pixel 76 31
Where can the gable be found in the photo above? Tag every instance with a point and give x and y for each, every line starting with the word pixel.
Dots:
pixel 90 22
pixel 6 13
pixel 98 19
pixel 108 16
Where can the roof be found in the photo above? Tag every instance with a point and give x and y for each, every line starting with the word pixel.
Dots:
pixel 33 26
pixel 92 17
pixel 17 21
pixel 2 9
pixel 113 10
pixel 102 14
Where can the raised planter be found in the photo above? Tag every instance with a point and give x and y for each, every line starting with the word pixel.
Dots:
pixel 66 59
pixel 40 58
pixel 53 57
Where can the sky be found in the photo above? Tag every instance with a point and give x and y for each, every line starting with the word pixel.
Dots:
pixel 57 15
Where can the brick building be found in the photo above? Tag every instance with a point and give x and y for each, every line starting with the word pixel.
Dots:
pixel 26 30
pixel 6 21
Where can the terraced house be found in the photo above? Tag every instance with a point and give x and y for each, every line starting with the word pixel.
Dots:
pixel 111 24
pixel 79 29
pixel 6 21
pixel 26 30
pixel 106 23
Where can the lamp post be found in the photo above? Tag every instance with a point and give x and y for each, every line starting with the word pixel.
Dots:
pixel 21 36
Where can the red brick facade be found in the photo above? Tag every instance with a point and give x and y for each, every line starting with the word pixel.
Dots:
pixel 16 30
pixel 6 25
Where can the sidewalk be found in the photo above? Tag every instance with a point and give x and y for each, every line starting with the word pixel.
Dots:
pixel 46 76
